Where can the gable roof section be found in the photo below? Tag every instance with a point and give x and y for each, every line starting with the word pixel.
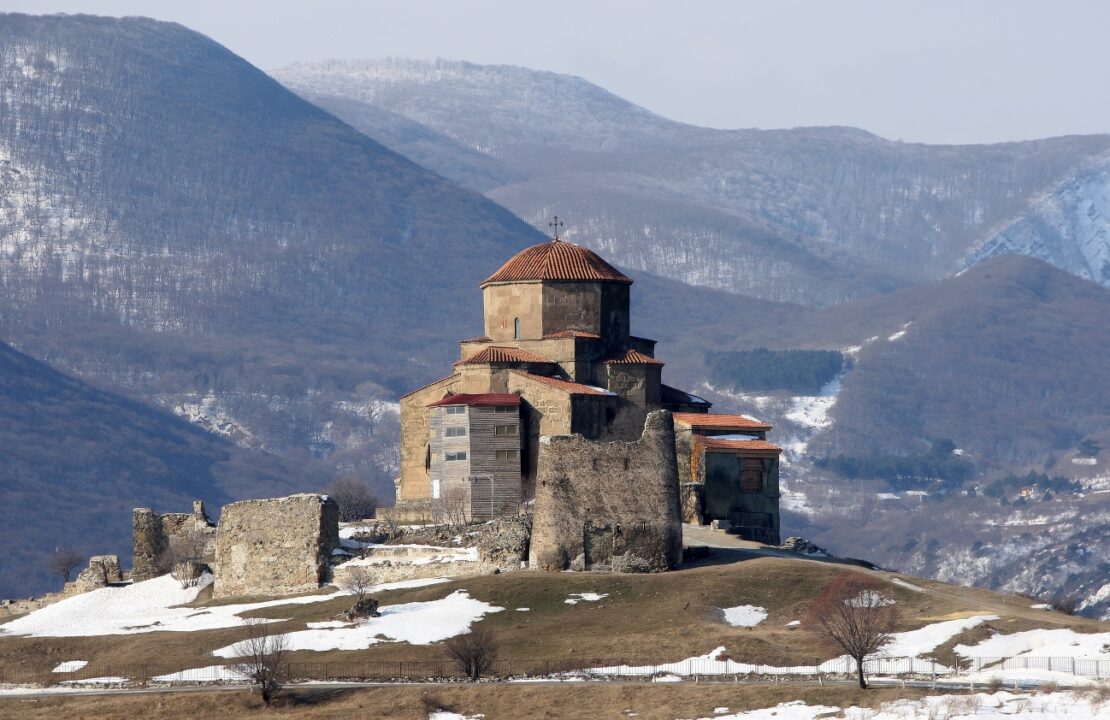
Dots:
pixel 712 444
pixel 431 384
pixel 632 357
pixel 565 385
pixel 673 396
pixel 477 399
pixel 557 260
pixel 572 334
pixel 498 354
pixel 714 421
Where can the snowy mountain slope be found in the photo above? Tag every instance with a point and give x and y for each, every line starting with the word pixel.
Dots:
pixel 1070 228
pixel 880 213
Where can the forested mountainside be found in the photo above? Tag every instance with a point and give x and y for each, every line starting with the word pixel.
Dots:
pixel 77 459
pixel 812 215
pixel 967 437
pixel 176 222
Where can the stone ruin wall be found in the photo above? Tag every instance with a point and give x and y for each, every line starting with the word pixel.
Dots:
pixel 276 546
pixel 102 570
pixel 152 533
pixel 608 505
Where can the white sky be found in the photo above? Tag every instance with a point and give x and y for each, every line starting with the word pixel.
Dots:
pixel 931 71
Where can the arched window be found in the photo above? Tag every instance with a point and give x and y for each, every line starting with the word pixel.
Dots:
pixel 516 328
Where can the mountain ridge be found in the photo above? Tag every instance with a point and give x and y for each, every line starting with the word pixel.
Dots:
pixel 903 212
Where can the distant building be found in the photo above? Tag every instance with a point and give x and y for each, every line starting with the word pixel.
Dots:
pixel 557 358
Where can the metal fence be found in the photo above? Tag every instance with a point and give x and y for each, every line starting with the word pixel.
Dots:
pixel 979 669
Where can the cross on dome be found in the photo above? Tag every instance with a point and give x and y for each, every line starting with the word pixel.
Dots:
pixel 555 223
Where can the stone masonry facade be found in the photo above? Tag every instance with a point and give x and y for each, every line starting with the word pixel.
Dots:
pixel 152 533
pixel 608 505
pixel 276 546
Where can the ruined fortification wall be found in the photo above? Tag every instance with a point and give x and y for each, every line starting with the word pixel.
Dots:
pixel 277 546
pixel 152 533
pixel 608 505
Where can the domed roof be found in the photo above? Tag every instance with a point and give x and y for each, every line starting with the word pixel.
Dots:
pixel 557 260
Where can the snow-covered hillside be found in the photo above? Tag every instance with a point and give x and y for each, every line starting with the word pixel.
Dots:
pixel 1069 227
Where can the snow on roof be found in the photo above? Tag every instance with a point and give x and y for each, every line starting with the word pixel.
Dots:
pixel 719 421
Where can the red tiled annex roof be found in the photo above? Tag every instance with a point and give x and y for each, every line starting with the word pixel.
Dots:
pixel 478 399
pixel 632 357
pixel 572 334
pixel 434 382
pixel 480 339
pixel 557 260
pixel 566 385
pixel 714 421
pixel 754 445
pixel 499 354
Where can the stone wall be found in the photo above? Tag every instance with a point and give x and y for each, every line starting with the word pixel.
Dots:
pixel 276 546
pixel 608 505
pixel 152 533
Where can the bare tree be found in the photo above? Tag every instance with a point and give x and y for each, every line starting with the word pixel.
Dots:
pixel 63 561
pixel 355 499
pixel 263 659
pixel 181 558
pixel 452 507
pixel 475 652
pixel 1067 602
pixel 357 580
pixel 855 615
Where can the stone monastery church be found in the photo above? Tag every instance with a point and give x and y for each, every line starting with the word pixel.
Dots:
pixel 557 359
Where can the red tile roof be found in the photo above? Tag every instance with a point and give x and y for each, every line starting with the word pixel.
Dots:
pixel 632 357
pixel 572 334
pixel 478 399
pixel 480 339
pixel 499 354
pixel 714 421
pixel 557 260
pixel 566 385
pixel 434 382
pixel 753 445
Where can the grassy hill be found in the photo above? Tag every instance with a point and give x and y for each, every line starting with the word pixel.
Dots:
pixel 642 619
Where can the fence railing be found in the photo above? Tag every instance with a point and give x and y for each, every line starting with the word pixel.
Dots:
pixel 446 670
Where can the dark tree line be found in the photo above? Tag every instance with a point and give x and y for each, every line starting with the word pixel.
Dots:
pixel 938 465
pixel 803 372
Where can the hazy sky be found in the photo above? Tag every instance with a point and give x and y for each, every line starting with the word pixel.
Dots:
pixel 935 71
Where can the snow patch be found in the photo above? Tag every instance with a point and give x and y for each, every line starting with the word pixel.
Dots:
pixel 70 666
pixel 155 606
pixel 744 615
pixel 417 623
pixel 585 597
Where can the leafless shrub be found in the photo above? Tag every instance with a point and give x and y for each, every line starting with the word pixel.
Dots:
pixel 263 659
pixel 854 614
pixel 63 561
pixel 354 497
pixel 181 558
pixel 358 580
pixel 452 507
pixel 474 652
pixel 1067 603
